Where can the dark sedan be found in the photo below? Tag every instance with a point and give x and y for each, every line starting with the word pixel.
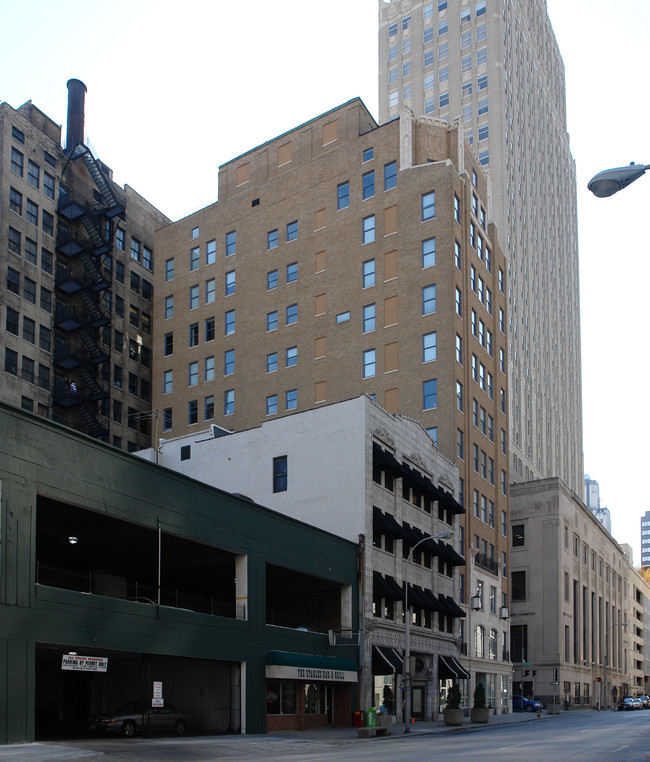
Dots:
pixel 626 704
pixel 133 716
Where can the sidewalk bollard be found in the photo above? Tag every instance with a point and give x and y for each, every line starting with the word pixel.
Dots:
pixel 539 712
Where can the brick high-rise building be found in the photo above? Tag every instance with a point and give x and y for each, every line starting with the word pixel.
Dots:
pixel 495 64
pixel 341 258
pixel 76 261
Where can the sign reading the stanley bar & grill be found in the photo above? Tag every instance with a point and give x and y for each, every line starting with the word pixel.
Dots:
pixel 84 663
pixel 311 674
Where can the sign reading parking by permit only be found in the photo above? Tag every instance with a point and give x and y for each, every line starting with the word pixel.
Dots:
pixel 84 663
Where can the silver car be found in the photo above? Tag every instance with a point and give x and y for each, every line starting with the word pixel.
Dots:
pixel 133 716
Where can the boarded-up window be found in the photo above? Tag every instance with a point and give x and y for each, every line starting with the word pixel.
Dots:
pixel 391 401
pixel 321 261
pixel 321 219
pixel 390 311
pixel 390 357
pixel 319 347
pixel 390 220
pixel 284 154
pixel 320 391
pixel 320 304
pixel 243 173
pixel 330 132
pixel 390 265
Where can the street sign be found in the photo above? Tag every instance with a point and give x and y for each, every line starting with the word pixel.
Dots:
pixel 526 664
pixel 554 682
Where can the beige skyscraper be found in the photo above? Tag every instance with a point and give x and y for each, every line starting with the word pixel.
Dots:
pixel 496 65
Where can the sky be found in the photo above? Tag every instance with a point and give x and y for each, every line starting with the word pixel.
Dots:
pixel 175 90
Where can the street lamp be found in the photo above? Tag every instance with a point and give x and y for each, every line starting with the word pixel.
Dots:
pixel 407 628
pixel 620 624
pixel 610 181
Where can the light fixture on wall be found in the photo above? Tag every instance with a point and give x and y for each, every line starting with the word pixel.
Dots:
pixel 73 540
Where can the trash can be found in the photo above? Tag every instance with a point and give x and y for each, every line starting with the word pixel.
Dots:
pixel 371 721
pixel 358 719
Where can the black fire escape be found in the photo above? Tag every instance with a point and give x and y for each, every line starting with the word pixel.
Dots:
pixel 82 316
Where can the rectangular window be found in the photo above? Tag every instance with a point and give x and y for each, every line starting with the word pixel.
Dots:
pixel 12 322
pixel 208 408
pixel 15 241
pixel 229 402
pixel 168 344
pixel 231 243
pixel 429 346
pixel 229 323
pixel 209 329
pixel 135 249
pixel 280 474
pixel 229 362
pixel 31 251
pixel 368 234
pixel 119 238
pixel 15 201
pixel 291 357
pixel 429 299
pixel 48 185
pixel 29 290
pixel 369 318
pixel 210 252
pixel 167 419
pixel 272 239
pixel 193 374
pixel 169 306
pixel 369 363
pixel 168 381
pixel 208 367
pixel 343 195
pixel 390 175
pixel 210 287
pixel 368 273
pixel 459 349
pixel 17 160
pixel 291 399
pixel 292 314
pixel 194 334
pixel 195 258
pixel 292 231
pixel 429 252
pixel 194 297
pixel 271 362
pixel 430 394
pixel 368 185
pixel 271 321
pixel 292 272
pixel 11 361
pixel 272 404
pixel 459 396
pixel 428 206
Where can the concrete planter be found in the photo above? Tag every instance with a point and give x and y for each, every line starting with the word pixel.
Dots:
pixel 454 716
pixel 481 714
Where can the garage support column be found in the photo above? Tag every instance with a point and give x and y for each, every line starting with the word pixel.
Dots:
pixel 241 587
pixel 17 665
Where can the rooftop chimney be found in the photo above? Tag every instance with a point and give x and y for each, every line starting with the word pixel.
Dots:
pixel 76 104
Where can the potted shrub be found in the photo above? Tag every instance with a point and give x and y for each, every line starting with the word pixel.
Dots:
pixel 480 712
pixel 453 713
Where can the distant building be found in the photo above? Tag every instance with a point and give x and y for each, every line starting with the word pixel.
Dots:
pixel 592 500
pixel 76 268
pixel 645 539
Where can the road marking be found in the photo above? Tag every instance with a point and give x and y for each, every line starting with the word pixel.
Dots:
pixel 621 747
pixel 512 746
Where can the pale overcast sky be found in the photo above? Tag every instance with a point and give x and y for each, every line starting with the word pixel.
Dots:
pixel 176 89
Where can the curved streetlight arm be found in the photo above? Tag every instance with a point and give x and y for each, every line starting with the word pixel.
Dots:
pixel 407 628
pixel 610 181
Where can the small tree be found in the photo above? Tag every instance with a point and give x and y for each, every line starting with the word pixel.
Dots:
pixel 453 697
pixel 479 696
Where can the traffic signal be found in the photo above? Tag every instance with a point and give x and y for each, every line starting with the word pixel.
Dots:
pixel 526 673
pixel 534 672
pixel 597 679
pixel 556 676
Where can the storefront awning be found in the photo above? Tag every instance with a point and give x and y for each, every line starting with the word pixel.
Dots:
pixel 287 665
pixel 386 660
pixel 450 668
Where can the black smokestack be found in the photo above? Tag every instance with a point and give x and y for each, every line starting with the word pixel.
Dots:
pixel 76 108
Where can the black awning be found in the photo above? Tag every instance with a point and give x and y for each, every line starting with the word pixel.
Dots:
pixel 433 491
pixel 432 602
pixel 449 501
pixel 386 587
pixel 454 609
pixel 386 524
pixel 386 660
pixel 449 554
pixel 417 597
pixel 450 668
pixel 385 459
pixel 394 528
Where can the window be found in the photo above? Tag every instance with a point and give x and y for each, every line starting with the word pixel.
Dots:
pixel 29 290
pixel 47 261
pixel 291 356
pixel 292 272
pixel 369 363
pixel 134 316
pixel 271 321
pixel 368 235
pixel 195 258
pixel 168 381
pixel 390 175
pixel 169 306
pixel 292 314
pixel 443 51
pixel 195 233
pixel 231 243
pixel 460 443
pixel 430 394
pixel 210 252
pixel 229 402
pixel 459 396
pixel 444 100
pixel 369 318
pixel 479 641
pixel 209 329
pixel 15 201
pixel 368 154
pixel 272 404
pixel 229 323
pixel 271 362
pixel 342 317
pixel 31 251
pixel 518 536
pixel 168 344
pixel 17 160
pixel 429 299
pixel 230 286
pixel 48 185
pixel 428 206
pixel 12 322
pixel 194 297
pixel 135 249
pixel 119 238
pixel 368 185
pixel 429 347
pixel 271 280
pixel 272 239
pixel 518 585
pixel 11 361
pixel 208 366
pixel 291 399
pixel 14 244
pixel 429 252
pixel 228 362
pixel 193 374
pixel 368 273
pixel 280 474
pixel 292 231
pixel 194 334
pixel 208 408
pixel 459 302
pixel 483 106
pixel 342 196
pixel 459 349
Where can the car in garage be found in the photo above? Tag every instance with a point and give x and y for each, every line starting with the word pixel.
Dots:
pixel 134 717
pixel 521 704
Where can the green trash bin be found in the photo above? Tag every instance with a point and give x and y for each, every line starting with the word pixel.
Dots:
pixel 371 721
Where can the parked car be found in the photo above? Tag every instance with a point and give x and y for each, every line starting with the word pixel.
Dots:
pixel 134 715
pixel 520 704
pixel 645 700
pixel 638 703
pixel 626 704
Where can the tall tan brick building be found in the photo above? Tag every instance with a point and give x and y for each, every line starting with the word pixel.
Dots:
pixel 495 64
pixel 342 258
